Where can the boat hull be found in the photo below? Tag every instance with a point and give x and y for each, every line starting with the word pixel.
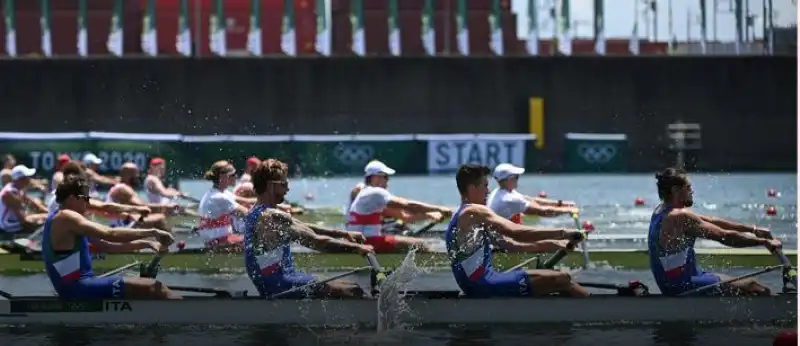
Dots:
pixel 421 310
pixel 193 261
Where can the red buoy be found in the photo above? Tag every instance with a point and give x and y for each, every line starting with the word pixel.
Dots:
pixel 542 194
pixel 181 244
pixel 771 210
pixel 786 338
pixel 587 226
pixel 638 202
pixel 772 193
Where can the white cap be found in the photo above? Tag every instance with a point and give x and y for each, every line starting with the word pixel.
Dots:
pixel 91 159
pixel 505 170
pixel 20 171
pixel 376 167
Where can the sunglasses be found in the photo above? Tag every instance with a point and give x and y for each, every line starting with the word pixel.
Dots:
pixel 85 198
pixel 282 183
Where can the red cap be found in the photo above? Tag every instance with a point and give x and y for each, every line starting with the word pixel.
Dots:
pixel 253 160
pixel 156 161
pixel 64 158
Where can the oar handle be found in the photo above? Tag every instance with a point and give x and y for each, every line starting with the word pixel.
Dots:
pixel 560 254
pixel 380 274
pixel 424 229
pixel 151 269
pixel 789 273
pixel 134 222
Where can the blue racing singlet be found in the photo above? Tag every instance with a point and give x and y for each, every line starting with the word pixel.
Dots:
pixel 70 271
pixel 474 272
pixel 271 270
pixel 674 271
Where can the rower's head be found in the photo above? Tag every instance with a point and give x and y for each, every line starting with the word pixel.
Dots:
pixel 63 159
pixel 473 183
pixel 251 165
pixel 674 188
pixel 271 180
pixel 73 193
pixel 158 167
pixel 507 175
pixel 73 167
pixel 91 161
pixel 129 174
pixel 9 161
pixel 377 173
pixel 222 175
pixel 21 175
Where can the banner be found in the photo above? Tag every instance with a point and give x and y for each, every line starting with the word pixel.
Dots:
pixel 348 154
pixel 448 152
pixel 595 152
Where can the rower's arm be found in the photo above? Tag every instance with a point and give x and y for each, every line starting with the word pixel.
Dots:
pixel 115 209
pixel 58 178
pixel 105 246
pixel 415 207
pixel 132 198
pixel 322 230
pixel 551 202
pixel 299 232
pixel 539 246
pixel 82 226
pixel 481 215
pixel 101 179
pixel 155 186
pixel 245 200
pixel 695 226
pixel 726 224
pixel 14 203
pixel 36 204
pixel 535 208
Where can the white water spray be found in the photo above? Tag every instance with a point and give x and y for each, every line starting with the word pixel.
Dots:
pixel 391 305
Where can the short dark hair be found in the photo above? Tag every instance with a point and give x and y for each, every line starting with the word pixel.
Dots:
pixel 72 185
pixel 72 167
pixel 269 170
pixel 667 179
pixel 470 174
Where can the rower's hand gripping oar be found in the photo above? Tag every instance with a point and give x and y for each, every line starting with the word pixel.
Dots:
pixel 560 254
pixel 584 248
pixel 379 275
pixel 313 284
pixel 789 272
pixel 424 229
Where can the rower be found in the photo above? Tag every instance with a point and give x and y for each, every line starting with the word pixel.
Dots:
pixel 370 203
pixel 97 206
pixel 92 164
pixel 124 193
pixel 269 234
pixel 474 227
pixel 67 258
pixel 244 187
pixel 157 193
pixel 220 209
pixel 14 201
pixel 58 176
pixel 673 232
pixel 509 203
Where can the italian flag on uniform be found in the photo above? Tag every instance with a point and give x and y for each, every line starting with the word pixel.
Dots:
pixel 428 31
pixel 115 37
pixel 216 29
pixel 496 28
pixel 394 29
pixel 323 41
pixel 462 33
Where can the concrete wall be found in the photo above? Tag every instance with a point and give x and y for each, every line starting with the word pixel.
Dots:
pixel 746 105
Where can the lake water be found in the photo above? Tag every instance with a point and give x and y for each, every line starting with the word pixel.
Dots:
pixel 607 201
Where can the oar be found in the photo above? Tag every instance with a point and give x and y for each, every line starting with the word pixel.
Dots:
pixel 216 292
pixel 6 295
pixel 634 288
pixel 789 273
pixel 424 229
pixel 715 285
pixel 560 254
pixel 151 269
pixel 120 269
pixel 190 199
pixel 380 274
pixel 316 283
pixel 584 248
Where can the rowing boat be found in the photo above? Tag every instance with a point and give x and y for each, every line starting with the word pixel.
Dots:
pixel 206 262
pixel 422 308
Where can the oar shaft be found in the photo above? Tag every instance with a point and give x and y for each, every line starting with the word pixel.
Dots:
pixel 584 248
pixel 725 282
pixel 317 283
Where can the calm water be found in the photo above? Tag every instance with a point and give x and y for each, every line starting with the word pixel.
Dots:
pixel 607 201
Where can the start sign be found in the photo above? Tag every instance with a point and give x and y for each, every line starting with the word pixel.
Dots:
pixel 447 155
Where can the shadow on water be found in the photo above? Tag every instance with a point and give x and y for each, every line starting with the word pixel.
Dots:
pixel 663 334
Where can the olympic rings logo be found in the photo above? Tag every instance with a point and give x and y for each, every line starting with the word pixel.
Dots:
pixel 353 154
pixel 597 153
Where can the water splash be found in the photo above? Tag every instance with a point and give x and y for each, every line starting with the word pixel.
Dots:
pixel 391 304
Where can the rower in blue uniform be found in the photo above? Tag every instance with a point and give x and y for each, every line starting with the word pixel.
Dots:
pixel 67 256
pixel 475 227
pixel 673 232
pixel 268 236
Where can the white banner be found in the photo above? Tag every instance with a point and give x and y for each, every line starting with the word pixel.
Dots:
pixel 446 155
